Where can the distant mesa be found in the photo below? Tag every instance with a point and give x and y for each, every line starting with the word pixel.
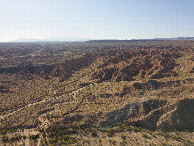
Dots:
pixel 177 38
pixel 135 40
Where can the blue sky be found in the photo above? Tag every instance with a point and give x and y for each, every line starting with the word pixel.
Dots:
pixel 96 19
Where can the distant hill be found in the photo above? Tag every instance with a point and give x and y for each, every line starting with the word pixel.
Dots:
pixel 177 38
pixel 75 39
pixel 185 38
pixel 134 40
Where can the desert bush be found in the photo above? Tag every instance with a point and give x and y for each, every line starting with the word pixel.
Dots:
pixel 5 138
pixel 3 131
pixel 12 139
pixel 33 137
pixel 86 141
pixel 110 132
pixel 17 138
pixel 166 135
pixel 44 134
pixel 70 141
pixel 177 138
pixel 66 137
pixel 127 127
pixel 94 133
pixel 145 135
pixel 137 129
pixel 12 130
pixel 123 143
pixel 100 141
pixel 123 137
pixel 54 139
pixel 112 141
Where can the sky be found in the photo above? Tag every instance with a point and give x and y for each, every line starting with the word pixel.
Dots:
pixel 96 19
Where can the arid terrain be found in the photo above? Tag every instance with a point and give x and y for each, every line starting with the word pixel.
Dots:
pixel 97 93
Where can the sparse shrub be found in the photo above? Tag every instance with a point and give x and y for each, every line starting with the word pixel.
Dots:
pixel 33 137
pixel 187 143
pixel 123 143
pixel 177 138
pixel 47 115
pixel 24 137
pixel 78 144
pixel 12 139
pixel 3 131
pixel 71 141
pixel 22 129
pixel 137 129
pixel 166 135
pixel 152 144
pixel 145 135
pixel 94 133
pixel 129 128
pixel 44 134
pixel 5 138
pixel 123 137
pixel 66 137
pixel 148 131
pixel 60 142
pixel 110 132
pixel 86 141
pixel 154 135
pixel 46 142
pixel 17 138
pixel 164 143
pixel 12 130
pixel 39 129
pixel 112 141
pixel 100 141
pixel 119 124
pixel 54 139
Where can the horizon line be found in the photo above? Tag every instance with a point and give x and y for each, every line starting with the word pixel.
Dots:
pixel 31 40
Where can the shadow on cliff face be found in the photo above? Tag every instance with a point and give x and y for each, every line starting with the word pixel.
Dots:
pixel 132 111
pixel 181 117
pixel 155 114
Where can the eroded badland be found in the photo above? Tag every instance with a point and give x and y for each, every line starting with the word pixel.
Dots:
pixel 97 93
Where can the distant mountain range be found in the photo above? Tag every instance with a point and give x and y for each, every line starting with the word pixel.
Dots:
pixel 75 39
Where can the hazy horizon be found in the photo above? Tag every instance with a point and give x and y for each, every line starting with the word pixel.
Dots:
pixel 77 39
pixel 110 19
